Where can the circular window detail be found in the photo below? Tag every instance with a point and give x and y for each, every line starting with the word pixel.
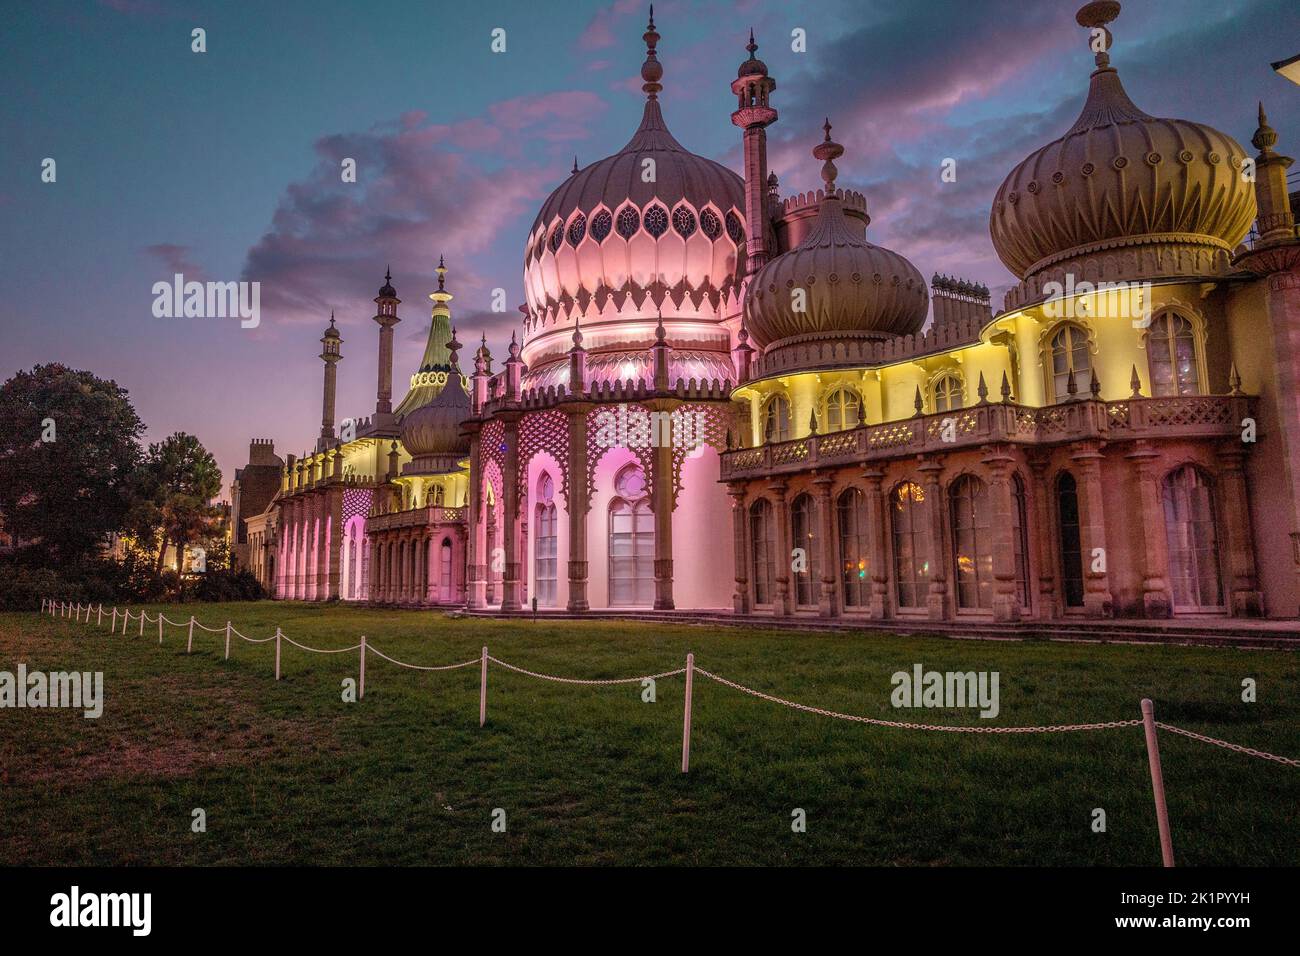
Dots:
pixel 656 221
pixel 734 229
pixel 1088 169
pixel 577 229
pixel 629 221
pixel 709 224
pixel 557 237
pixel 683 222
pixel 601 224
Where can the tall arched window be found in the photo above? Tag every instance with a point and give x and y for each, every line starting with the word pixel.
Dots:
pixel 776 419
pixel 842 410
pixel 948 394
pixel 1171 354
pixel 1070 352
pixel 803 523
pixel 444 571
pixel 855 577
pixel 762 550
pixel 911 544
pixel 1193 539
pixel 545 560
pixel 1068 524
pixel 631 541
pixel 1020 540
pixel 972 543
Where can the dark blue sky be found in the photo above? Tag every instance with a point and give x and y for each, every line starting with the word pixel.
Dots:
pixel 224 165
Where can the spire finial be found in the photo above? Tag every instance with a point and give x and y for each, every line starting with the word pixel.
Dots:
pixel 828 151
pixel 1094 16
pixel 751 46
pixel 442 274
pixel 575 165
pixel 660 333
pixel 388 273
pixel 1135 383
pixel 454 348
pixel 1265 137
pixel 331 318
pixel 652 71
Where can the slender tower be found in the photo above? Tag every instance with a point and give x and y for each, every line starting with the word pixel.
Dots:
pixel 386 316
pixel 753 86
pixel 331 356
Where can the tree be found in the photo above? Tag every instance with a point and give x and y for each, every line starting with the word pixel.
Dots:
pixel 69 442
pixel 181 479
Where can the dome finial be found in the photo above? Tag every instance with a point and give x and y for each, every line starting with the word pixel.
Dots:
pixel 828 151
pixel 454 348
pixel 652 71
pixel 575 165
pixel 1265 137
pixel 752 47
pixel 442 274
pixel 1094 16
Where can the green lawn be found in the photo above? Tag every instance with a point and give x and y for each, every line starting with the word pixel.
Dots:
pixel 289 773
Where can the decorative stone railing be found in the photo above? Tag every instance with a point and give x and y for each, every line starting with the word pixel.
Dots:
pixel 1193 416
pixel 414 518
pixel 632 390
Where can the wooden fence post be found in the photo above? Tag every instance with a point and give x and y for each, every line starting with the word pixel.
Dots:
pixel 361 680
pixel 160 624
pixel 189 644
pixel 227 640
pixel 141 634
pixel 1157 782
pixel 277 653
pixel 99 621
pixel 113 627
pixel 686 717
pixel 482 690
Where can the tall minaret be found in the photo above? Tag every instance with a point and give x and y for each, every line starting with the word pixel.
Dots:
pixel 387 301
pixel 753 87
pixel 1276 222
pixel 331 356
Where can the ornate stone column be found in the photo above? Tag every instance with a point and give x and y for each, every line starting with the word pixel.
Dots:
pixel 827 603
pixel 937 600
pixel 1097 600
pixel 510 517
pixel 1042 538
pixel 1245 598
pixel 578 505
pixel 877 531
pixel 475 529
pixel 782 601
pixel 662 500
pixel 1006 606
pixel 336 542
pixel 739 519
pixel 1156 599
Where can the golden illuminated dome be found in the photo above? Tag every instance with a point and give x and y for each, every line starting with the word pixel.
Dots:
pixel 431 431
pixel 847 287
pixel 1123 194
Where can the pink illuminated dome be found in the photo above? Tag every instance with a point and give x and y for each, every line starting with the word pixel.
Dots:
pixel 652 230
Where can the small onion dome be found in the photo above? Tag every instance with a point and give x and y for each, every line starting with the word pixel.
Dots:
pixel 753 66
pixel 431 433
pixel 1120 178
pixel 851 288
pixel 387 291
pixel 332 332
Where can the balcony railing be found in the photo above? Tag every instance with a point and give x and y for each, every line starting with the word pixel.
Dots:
pixel 1192 416
pixel 414 518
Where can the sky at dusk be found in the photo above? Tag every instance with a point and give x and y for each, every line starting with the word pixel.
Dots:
pixel 224 165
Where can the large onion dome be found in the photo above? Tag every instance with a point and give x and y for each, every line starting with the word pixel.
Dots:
pixel 852 289
pixel 431 432
pixel 654 227
pixel 1122 194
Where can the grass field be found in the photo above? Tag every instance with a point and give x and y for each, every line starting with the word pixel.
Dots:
pixel 288 773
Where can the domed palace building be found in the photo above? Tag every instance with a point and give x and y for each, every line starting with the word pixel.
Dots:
pixel 725 399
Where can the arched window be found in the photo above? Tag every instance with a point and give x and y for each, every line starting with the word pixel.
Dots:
pixel 803 521
pixel 948 394
pixel 444 570
pixel 1193 539
pixel 1070 352
pixel 776 419
pixel 631 541
pixel 911 544
pixel 601 223
pixel 1020 540
pixel 1171 354
pixel 710 225
pixel 762 550
pixel 656 220
pixel 842 410
pixel 577 229
pixel 855 577
pixel 1068 524
pixel 629 221
pixel 972 543
pixel 683 222
pixel 545 559
pixel 735 228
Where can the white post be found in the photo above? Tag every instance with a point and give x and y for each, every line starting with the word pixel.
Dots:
pixel 1157 782
pixel 686 717
pixel 42 605
pixel 141 634
pixel 277 653
pixel 361 683
pixel 482 691
pixel 126 619
pixel 160 620
pixel 113 628
pixel 227 640
pixel 189 645
pixel 99 621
